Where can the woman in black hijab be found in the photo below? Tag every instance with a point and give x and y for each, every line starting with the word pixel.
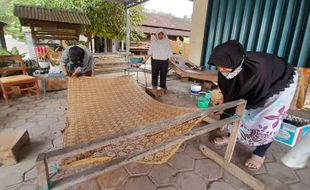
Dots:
pixel 268 84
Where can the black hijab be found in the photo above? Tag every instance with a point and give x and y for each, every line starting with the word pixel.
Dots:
pixel 263 75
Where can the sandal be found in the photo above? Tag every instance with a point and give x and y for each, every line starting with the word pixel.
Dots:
pixel 220 141
pixel 255 162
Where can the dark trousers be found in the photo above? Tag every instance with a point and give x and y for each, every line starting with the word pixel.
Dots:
pixel 261 150
pixel 159 67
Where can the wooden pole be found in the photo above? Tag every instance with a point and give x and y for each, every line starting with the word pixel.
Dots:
pixel 233 169
pixel 43 178
pixel 127 34
pixel 234 134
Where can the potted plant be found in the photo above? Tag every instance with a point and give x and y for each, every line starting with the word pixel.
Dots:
pixel 43 59
pixel 31 65
pixel 55 54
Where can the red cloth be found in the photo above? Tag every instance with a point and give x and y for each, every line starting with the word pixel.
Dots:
pixel 40 50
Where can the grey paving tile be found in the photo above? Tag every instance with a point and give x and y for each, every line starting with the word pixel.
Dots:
pixel 304 175
pixel 299 186
pixel 272 183
pixel 138 169
pixel 282 173
pixel 181 162
pixel 275 147
pixel 278 156
pixel 221 185
pixel 229 178
pixel 269 157
pixel 163 174
pixel 190 181
pixel 208 169
pixel 140 182
pixel 170 187
pixel 47 122
pixel 113 179
pixel 193 151
pixel 283 147
pixel 91 184
pixel 17 123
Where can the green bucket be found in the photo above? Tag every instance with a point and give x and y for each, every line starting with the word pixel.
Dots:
pixel 204 101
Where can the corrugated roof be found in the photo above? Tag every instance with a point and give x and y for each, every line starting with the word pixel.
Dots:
pixel 167 21
pixel 132 3
pixel 173 26
pixel 51 15
pixel 169 32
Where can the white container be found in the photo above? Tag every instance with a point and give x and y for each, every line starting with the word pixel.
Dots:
pixel 195 88
pixel 55 69
pixel 44 64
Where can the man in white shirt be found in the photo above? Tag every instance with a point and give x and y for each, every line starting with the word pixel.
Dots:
pixel 160 51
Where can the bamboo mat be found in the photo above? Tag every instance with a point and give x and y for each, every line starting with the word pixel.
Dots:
pixel 100 107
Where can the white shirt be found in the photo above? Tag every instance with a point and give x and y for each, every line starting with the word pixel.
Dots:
pixel 160 49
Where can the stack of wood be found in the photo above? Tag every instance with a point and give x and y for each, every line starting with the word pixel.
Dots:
pixel 109 63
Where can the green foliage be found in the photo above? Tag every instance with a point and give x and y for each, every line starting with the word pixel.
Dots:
pixel 4 52
pixel 6 15
pixel 108 19
pixel 14 51
pixel 75 43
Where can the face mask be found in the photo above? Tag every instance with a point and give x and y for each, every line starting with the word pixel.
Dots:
pixel 234 73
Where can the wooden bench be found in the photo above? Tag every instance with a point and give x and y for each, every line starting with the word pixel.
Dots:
pixel 16 84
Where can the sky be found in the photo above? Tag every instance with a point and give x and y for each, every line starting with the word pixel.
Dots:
pixel 179 8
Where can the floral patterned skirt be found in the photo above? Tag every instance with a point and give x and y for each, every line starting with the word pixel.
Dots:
pixel 259 126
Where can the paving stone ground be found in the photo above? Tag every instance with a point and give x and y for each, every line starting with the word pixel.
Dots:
pixel 186 170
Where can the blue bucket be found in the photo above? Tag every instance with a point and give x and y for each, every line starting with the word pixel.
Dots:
pixel 136 60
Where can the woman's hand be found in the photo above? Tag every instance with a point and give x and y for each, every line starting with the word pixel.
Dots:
pixel 64 68
pixel 75 74
pixel 217 98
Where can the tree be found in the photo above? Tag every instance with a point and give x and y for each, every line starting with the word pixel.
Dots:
pixel 108 19
pixel 6 15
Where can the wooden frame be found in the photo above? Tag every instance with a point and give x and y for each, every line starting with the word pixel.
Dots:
pixel 29 85
pixel 187 73
pixel 99 169
pixel 40 30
